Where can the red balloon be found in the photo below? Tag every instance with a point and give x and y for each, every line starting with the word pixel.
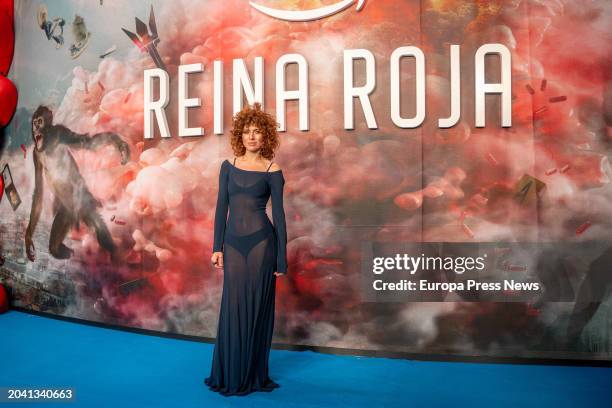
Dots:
pixel 7 36
pixel 4 302
pixel 8 100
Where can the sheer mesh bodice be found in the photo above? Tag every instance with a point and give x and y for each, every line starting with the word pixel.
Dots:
pixel 246 193
pixel 253 249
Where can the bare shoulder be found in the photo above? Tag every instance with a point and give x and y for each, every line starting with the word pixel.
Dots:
pixel 275 167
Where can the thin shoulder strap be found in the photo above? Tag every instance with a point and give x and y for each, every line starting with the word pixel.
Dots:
pixel 234 161
pixel 269 166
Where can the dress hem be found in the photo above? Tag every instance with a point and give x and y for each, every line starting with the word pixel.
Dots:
pixel 270 386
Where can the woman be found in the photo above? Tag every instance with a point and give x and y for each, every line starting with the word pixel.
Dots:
pixel 252 253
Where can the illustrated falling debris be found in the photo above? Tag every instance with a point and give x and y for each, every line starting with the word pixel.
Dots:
pixel 492 159
pixel 108 51
pixel 131 286
pixel 554 99
pixel 467 230
pixel 551 171
pixel 146 41
pixel 557 99
pixel 527 189
pixel 54 29
pixel 540 110
pixel 81 37
pixel 583 227
pixel 9 188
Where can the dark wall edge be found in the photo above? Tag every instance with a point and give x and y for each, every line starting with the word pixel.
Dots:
pixel 344 351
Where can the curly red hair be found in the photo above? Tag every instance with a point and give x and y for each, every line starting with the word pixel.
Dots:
pixel 254 115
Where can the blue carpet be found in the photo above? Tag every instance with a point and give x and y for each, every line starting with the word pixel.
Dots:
pixel 112 368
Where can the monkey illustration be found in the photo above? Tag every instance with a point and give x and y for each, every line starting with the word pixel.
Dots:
pixel 73 202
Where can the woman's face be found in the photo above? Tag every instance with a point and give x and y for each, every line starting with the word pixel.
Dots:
pixel 252 137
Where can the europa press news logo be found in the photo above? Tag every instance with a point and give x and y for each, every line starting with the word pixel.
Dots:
pixel 307 15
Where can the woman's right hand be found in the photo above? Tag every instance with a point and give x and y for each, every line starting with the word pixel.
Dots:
pixel 217 259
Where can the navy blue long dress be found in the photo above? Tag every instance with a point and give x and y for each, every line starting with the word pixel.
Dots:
pixel 253 249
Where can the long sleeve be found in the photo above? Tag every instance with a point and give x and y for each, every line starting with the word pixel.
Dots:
pixel 221 210
pixel 277 182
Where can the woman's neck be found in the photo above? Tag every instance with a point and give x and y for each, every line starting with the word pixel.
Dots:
pixel 249 157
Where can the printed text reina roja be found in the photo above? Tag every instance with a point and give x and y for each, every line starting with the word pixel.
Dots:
pixel 241 83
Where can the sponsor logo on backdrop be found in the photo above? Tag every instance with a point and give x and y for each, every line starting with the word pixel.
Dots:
pixel 307 15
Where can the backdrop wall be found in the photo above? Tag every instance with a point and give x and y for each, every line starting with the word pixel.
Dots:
pixel 541 184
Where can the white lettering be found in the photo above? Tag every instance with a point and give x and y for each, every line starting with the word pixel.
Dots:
pixel 184 102
pixel 157 107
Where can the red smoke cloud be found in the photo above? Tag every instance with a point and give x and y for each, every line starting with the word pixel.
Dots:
pixel 438 184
